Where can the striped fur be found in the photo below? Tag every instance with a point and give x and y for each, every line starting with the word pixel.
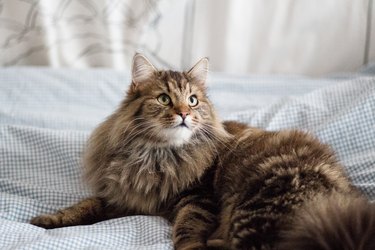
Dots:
pixel 222 186
pixel 284 171
pixel 332 222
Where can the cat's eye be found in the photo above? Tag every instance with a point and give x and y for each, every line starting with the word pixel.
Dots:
pixel 193 101
pixel 164 99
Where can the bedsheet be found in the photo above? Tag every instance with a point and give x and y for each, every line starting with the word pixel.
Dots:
pixel 46 115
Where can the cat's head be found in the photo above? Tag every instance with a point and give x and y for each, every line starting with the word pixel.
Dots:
pixel 169 108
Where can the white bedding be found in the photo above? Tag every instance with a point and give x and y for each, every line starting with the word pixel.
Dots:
pixel 46 115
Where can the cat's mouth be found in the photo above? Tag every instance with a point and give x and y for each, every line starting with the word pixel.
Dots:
pixel 183 125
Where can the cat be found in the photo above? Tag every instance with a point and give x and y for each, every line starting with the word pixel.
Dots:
pixel 222 185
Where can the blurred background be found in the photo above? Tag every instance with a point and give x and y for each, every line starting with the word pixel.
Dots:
pixel 242 36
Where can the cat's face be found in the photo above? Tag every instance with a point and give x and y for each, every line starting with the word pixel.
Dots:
pixel 170 107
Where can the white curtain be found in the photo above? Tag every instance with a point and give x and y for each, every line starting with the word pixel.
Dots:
pixel 241 36
pixel 288 36
pixel 74 33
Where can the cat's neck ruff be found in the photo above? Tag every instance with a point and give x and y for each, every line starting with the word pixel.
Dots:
pixel 150 176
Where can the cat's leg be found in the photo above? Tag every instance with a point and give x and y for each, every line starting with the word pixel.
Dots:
pixel 87 211
pixel 194 219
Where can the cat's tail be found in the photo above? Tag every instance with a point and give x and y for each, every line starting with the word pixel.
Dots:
pixel 330 223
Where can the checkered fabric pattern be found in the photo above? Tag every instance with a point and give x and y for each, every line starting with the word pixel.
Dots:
pixel 46 116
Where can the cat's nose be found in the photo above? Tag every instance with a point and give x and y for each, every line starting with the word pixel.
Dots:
pixel 183 115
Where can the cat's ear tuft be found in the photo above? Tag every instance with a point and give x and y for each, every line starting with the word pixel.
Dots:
pixel 199 71
pixel 142 69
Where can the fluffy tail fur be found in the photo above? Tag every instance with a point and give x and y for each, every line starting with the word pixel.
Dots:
pixel 330 223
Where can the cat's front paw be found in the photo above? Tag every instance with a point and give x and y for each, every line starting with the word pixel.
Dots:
pixel 47 221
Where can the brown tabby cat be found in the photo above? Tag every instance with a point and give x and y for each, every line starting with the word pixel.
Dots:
pixel 164 152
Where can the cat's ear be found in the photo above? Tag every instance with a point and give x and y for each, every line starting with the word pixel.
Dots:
pixel 199 71
pixel 142 69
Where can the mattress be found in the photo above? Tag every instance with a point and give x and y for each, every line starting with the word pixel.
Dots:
pixel 46 116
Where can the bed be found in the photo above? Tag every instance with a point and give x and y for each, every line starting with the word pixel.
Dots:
pixel 46 115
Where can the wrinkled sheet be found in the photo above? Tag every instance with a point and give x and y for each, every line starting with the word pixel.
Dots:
pixel 46 115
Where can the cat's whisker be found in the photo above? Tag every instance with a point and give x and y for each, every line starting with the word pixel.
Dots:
pixel 131 122
pixel 137 133
pixel 219 131
pixel 143 129
pixel 222 141
pixel 143 123
pixel 212 145
pixel 132 135
pixel 153 133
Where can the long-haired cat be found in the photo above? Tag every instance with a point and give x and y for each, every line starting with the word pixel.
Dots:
pixel 226 185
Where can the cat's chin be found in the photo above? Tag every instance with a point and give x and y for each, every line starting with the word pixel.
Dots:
pixel 177 136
